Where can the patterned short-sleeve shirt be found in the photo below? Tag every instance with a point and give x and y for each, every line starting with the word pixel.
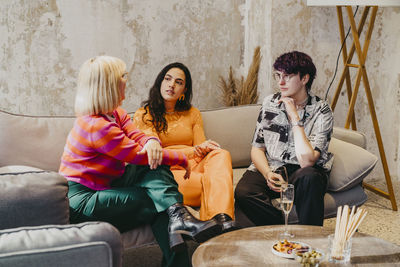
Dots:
pixel 274 132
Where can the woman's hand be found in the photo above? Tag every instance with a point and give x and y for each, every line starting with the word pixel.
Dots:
pixel 188 171
pixel 204 148
pixel 154 153
pixel 275 181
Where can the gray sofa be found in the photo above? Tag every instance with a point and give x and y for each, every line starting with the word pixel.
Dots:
pixel 94 244
pixel 35 194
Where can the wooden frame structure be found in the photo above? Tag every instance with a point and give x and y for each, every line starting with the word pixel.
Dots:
pixel 361 75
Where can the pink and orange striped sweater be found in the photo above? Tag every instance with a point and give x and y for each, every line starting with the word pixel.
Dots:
pixel 98 147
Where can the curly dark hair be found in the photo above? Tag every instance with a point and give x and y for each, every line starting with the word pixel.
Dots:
pixel 297 63
pixel 155 103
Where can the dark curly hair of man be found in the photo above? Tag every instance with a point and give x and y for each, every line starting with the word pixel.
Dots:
pixel 296 62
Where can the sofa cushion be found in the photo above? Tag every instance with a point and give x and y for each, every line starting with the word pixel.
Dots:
pixel 233 129
pixel 31 196
pixel 355 196
pixel 350 166
pixel 87 254
pixel 138 237
pixel 18 169
pixel 86 244
pixel 36 141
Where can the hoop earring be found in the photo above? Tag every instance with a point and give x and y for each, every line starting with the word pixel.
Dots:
pixel 182 97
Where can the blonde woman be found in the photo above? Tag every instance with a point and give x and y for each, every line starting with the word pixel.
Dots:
pixel 169 115
pixel 118 174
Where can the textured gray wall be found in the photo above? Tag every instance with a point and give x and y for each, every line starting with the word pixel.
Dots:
pixel 319 26
pixel 43 43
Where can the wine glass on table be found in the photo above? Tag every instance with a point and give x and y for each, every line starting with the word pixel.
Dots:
pixel 287 198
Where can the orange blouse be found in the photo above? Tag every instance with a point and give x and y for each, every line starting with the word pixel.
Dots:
pixel 185 130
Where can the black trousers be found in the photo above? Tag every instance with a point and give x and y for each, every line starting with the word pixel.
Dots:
pixel 253 196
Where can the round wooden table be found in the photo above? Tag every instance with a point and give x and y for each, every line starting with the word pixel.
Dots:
pixel 252 247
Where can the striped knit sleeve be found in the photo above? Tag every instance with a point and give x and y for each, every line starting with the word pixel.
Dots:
pixel 109 139
pixel 171 157
pixel 130 129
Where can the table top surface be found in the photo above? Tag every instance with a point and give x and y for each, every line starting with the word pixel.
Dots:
pixel 253 247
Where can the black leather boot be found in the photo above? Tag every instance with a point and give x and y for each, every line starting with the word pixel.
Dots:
pixel 226 222
pixel 182 222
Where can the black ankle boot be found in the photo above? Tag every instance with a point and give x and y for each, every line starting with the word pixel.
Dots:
pixel 226 222
pixel 182 222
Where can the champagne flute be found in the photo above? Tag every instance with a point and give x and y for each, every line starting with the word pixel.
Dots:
pixel 287 198
pixel 282 172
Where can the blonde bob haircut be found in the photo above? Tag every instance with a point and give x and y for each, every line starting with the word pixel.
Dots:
pixel 98 89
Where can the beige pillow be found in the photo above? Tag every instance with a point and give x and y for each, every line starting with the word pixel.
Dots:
pixel 350 166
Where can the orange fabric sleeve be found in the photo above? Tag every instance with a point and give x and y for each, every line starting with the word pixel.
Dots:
pixel 184 130
pixel 145 127
pixel 198 130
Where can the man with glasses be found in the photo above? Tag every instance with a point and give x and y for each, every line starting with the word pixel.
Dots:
pixel 293 131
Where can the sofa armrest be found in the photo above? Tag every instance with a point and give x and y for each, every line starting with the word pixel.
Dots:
pixel 87 244
pixel 32 197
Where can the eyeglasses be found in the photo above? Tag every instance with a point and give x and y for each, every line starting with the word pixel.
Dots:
pixel 285 77
pixel 125 76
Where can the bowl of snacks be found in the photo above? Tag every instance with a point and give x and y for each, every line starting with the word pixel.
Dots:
pixel 309 258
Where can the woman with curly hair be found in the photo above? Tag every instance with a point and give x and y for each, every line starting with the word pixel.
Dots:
pixel 169 115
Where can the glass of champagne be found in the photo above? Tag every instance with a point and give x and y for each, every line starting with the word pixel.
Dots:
pixel 282 172
pixel 287 198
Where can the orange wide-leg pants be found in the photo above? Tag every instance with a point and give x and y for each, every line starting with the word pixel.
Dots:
pixel 210 185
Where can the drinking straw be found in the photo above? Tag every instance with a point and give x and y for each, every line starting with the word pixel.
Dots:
pixel 350 221
pixel 364 213
pixel 354 222
pixel 342 229
pixel 338 218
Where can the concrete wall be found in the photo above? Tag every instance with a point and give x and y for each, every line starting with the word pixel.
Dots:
pixel 320 27
pixel 43 43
